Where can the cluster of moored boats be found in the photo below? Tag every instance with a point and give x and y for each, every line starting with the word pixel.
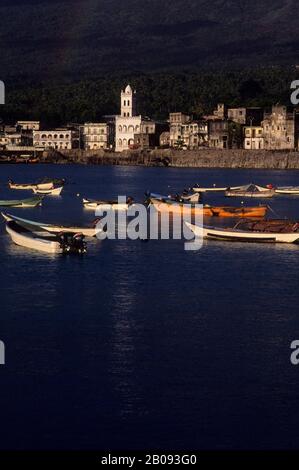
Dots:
pixel 38 236
pixel 250 226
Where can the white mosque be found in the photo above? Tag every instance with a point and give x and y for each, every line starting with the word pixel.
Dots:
pixel 129 125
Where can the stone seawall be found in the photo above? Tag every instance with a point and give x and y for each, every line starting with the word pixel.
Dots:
pixel 206 158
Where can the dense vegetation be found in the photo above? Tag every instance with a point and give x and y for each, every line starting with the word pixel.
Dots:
pixel 158 94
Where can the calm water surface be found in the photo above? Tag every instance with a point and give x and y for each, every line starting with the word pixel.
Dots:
pixel 144 345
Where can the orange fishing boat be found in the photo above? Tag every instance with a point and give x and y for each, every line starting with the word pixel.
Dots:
pixel 208 211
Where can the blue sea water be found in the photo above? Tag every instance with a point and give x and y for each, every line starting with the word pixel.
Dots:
pixel 146 345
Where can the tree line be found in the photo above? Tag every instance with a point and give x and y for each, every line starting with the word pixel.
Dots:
pixel 195 92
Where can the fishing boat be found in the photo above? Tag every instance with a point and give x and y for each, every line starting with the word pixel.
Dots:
pixel 184 197
pixel 214 188
pixel 290 190
pixel 107 205
pixel 48 192
pixel 30 202
pixel 195 197
pixel 207 210
pixel 251 190
pixel 33 225
pixel 44 184
pixel 65 243
pixel 268 231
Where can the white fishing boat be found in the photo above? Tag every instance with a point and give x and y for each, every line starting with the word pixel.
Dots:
pixel 251 190
pixel 262 232
pixel 190 197
pixel 106 205
pixel 49 192
pixel 23 187
pixel 288 190
pixel 49 243
pixel 184 197
pixel 86 231
pixel 214 188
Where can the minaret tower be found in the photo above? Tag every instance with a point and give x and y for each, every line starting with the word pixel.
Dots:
pixel 128 102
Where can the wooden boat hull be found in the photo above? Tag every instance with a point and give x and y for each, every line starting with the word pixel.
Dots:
pixel 191 198
pixel 31 202
pixel 288 190
pixel 209 211
pixel 184 197
pixel 241 235
pixel 258 194
pixel 27 240
pixel 213 189
pixel 23 187
pixel 48 192
pixel 104 205
pixel 86 231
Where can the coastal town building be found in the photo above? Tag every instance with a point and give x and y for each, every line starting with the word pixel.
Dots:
pixel 237 115
pixel 245 116
pixel 9 140
pixel 128 123
pixel 95 136
pixel 56 139
pixel 186 132
pixel 164 140
pixel 280 129
pixel 131 129
pixel 218 130
pixel 219 113
pixel 253 138
pixel 28 125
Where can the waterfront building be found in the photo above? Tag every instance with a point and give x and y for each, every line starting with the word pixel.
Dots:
pixel 237 115
pixel 28 125
pixel 176 122
pixel 128 123
pixel 253 138
pixel 95 136
pixel 219 113
pixel 56 139
pixel 10 140
pixel 280 128
pixel 186 132
pixel 245 116
pixel 131 129
pixel 218 133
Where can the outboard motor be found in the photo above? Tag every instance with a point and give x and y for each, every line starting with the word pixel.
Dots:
pixel 73 244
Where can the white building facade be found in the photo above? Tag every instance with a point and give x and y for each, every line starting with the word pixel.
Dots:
pixel 28 125
pixel 253 138
pixel 128 123
pixel 57 139
pixel 95 136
